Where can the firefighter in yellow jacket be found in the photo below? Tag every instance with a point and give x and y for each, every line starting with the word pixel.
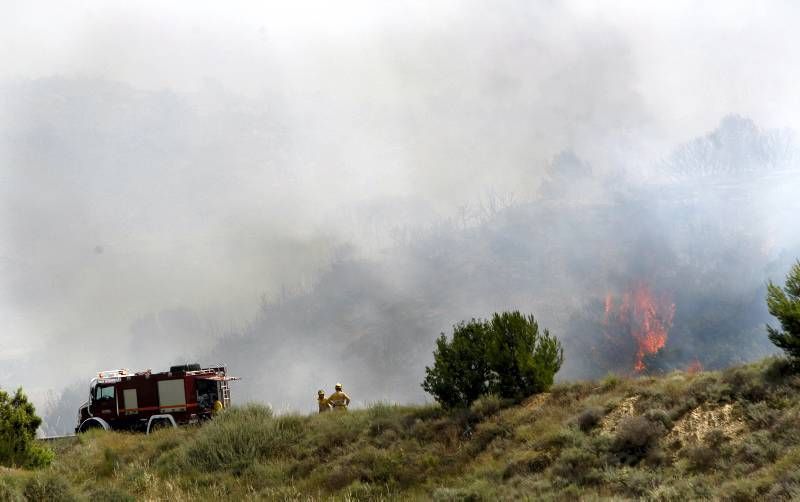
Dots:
pixel 324 404
pixel 339 400
pixel 218 406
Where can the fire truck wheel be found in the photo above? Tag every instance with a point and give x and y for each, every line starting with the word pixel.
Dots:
pixel 91 425
pixel 157 425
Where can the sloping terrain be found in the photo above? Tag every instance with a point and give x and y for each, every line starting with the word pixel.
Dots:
pixel 730 435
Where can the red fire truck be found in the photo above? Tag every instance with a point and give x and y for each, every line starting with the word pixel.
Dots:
pixel 141 401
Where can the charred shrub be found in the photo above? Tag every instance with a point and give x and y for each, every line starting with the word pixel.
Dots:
pixel 589 418
pixel 635 438
pixel 700 458
pixel 660 416
pixel 531 463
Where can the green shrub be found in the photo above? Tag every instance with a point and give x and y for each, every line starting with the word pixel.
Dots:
pixel 9 492
pixel 486 406
pixel 784 303
pixel 610 382
pixel 746 382
pixel 660 416
pixel 778 369
pixel 577 465
pixel 111 494
pixel 48 487
pixel 241 436
pixel 506 355
pixel 18 424
pixel 758 449
pixel 743 490
pixel 457 495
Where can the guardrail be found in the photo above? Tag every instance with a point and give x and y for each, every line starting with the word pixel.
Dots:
pixel 56 438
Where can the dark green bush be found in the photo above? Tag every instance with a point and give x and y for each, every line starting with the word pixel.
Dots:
pixel 506 355
pixel 18 424
pixel 784 303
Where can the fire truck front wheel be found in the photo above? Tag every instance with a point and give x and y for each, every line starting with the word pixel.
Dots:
pixel 94 423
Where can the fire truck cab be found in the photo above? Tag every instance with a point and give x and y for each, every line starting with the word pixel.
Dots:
pixel 139 401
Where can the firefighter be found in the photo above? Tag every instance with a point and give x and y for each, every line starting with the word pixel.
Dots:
pixel 218 406
pixel 339 400
pixel 324 404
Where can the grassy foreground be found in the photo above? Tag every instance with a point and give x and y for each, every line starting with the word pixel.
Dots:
pixel 731 435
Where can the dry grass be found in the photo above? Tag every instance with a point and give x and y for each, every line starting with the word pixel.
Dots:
pixel 733 435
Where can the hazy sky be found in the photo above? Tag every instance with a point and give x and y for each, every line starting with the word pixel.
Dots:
pixel 195 156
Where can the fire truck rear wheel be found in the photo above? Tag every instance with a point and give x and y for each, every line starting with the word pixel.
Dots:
pixel 160 424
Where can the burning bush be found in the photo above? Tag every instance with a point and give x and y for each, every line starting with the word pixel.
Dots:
pixel 639 316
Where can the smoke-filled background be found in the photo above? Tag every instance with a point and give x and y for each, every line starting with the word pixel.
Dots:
pixel 312 192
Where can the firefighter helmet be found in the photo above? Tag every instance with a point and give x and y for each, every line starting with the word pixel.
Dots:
pixel 320 392
pixel 338 386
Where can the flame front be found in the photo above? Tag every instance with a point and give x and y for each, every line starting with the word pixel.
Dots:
pixel 646 318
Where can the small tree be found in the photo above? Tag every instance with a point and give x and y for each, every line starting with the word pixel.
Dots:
pixel 507 356
pixel 18 424
pixel 460 372
pixel 524 359
pixel 784 303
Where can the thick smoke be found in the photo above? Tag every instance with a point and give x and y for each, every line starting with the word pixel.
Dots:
pixel 313 194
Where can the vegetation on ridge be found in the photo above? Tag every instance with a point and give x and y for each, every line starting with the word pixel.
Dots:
pixel 730 435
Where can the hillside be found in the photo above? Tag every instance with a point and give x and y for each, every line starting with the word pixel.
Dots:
pixel 729 435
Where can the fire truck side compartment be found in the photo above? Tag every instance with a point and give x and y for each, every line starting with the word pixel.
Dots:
pixel 172 395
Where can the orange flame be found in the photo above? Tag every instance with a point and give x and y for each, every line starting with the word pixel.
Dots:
pixel 647 319
pixel 694 367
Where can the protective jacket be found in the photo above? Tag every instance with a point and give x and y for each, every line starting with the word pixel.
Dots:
pixel 339 400
pixel 324 405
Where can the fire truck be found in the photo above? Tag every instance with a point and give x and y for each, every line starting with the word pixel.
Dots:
pixel 143 400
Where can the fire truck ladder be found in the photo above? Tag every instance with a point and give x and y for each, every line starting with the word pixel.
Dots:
pixel 225 387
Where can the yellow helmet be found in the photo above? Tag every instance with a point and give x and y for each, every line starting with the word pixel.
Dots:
pixel 320 392
pixel 338 386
